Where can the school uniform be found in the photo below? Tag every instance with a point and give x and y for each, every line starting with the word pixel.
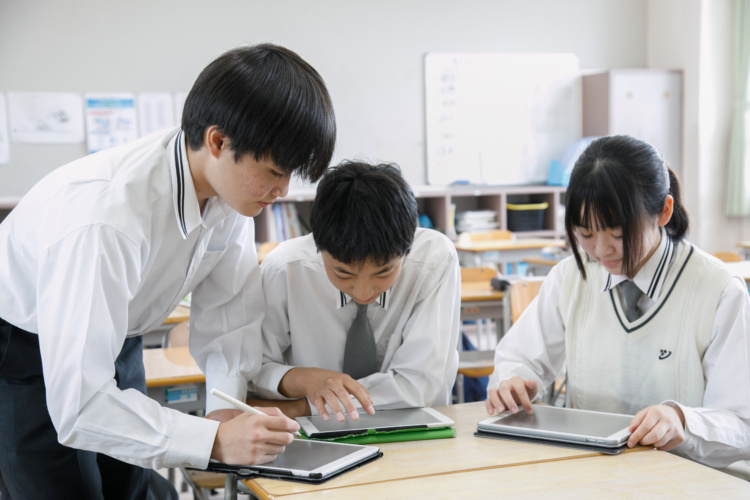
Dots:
pixel 689 349
pixel 415 323
pixel 98 253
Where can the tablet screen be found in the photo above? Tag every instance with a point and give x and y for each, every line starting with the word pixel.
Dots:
pixel 566 421
pixel 383 419
pixel 309 455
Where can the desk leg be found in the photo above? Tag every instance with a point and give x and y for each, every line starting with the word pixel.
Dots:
pixel 230 487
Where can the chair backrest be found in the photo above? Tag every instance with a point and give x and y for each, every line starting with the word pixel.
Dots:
pixel 475 274
pixel 521 295
pixel 498 234
pixel 178 336
pixel 727 256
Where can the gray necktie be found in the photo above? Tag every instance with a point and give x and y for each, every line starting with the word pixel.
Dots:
pixel 359 353
pixel 631 294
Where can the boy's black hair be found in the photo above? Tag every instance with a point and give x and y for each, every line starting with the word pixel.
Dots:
pixel 362 212
pixel 270 103
pixel 620 181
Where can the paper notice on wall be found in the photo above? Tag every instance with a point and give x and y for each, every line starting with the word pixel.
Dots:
pixel 155 112
pixel 4 140
pixel 45 117
pixel 110 120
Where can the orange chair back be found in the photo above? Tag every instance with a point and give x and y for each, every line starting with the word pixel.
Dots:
pixel 521 295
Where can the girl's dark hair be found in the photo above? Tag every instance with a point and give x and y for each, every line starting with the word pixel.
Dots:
pixel 270 103
pixel 620 181
pixel 362 212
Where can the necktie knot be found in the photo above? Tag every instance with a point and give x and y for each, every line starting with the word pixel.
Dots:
pixel 631 294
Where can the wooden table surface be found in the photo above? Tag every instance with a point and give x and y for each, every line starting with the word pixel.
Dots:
pixel 419 459
pixel 181 313
pixel 653 474
pixel 477 291
pixel 500 245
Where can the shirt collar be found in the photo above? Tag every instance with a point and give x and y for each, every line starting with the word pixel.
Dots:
pixel 186 207
pixel 650 278
pixel 343 299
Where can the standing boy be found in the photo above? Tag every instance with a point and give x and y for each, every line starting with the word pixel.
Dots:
pixel 102 249
pixel 368 305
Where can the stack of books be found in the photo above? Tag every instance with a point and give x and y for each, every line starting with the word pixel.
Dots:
pixel 476 220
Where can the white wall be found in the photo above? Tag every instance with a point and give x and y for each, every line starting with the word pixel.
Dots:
pixel 369 52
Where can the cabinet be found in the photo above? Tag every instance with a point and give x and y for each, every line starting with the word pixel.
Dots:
pixel 644 103
pixel 436 201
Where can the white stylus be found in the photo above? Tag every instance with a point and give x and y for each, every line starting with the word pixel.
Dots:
pixel 240 405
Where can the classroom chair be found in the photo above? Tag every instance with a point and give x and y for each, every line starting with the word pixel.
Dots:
pixel 521 294
pixel 178 336
pixel 476 363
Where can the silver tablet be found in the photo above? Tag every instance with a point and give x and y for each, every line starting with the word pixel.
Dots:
pixel 383 420
pixel 306 460
pixel 568 425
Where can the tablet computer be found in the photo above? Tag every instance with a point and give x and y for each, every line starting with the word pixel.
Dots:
pixel 382 421
pixel 566 425
pixel 304 460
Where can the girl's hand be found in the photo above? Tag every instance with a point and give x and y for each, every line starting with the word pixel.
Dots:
pixel 660 426
pixel 509 394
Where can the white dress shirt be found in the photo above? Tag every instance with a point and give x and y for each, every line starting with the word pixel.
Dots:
pixel 415 323
pixel 104 248
pixel 716 434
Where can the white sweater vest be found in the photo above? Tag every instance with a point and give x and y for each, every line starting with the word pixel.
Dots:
pixel 622 367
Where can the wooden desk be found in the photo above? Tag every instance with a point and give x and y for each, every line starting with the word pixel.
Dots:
pixel 174 379
pixel 431 458
pixel 503 251
pixel 653 474
pixel 181 313
pixel 480 301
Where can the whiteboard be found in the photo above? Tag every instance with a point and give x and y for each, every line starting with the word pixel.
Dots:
pixel 499 119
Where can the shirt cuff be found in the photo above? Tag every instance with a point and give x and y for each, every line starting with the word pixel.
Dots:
pixel 232 386
pixel 693 425
pixel 192 442
pixel 268 380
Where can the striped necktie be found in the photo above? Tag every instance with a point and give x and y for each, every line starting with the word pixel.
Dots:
pixel 359 352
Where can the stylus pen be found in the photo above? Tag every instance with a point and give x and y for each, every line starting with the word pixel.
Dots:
pixel 242 406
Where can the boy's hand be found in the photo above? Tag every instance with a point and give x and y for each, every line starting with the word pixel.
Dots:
pixel 509 394
pixel 223 415
pixel 660 426
pixel 251 439
pixel 323 387
pixel 292 408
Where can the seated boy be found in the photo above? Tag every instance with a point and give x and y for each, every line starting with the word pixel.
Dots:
pixel 365 256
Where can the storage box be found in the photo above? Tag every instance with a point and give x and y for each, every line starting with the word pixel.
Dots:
pixel 526 217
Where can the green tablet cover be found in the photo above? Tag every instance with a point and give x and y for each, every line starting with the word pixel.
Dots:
pixel 374 437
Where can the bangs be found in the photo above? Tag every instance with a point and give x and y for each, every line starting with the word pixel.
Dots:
pixel 595 205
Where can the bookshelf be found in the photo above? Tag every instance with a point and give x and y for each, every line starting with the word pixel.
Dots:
pixel 436 201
